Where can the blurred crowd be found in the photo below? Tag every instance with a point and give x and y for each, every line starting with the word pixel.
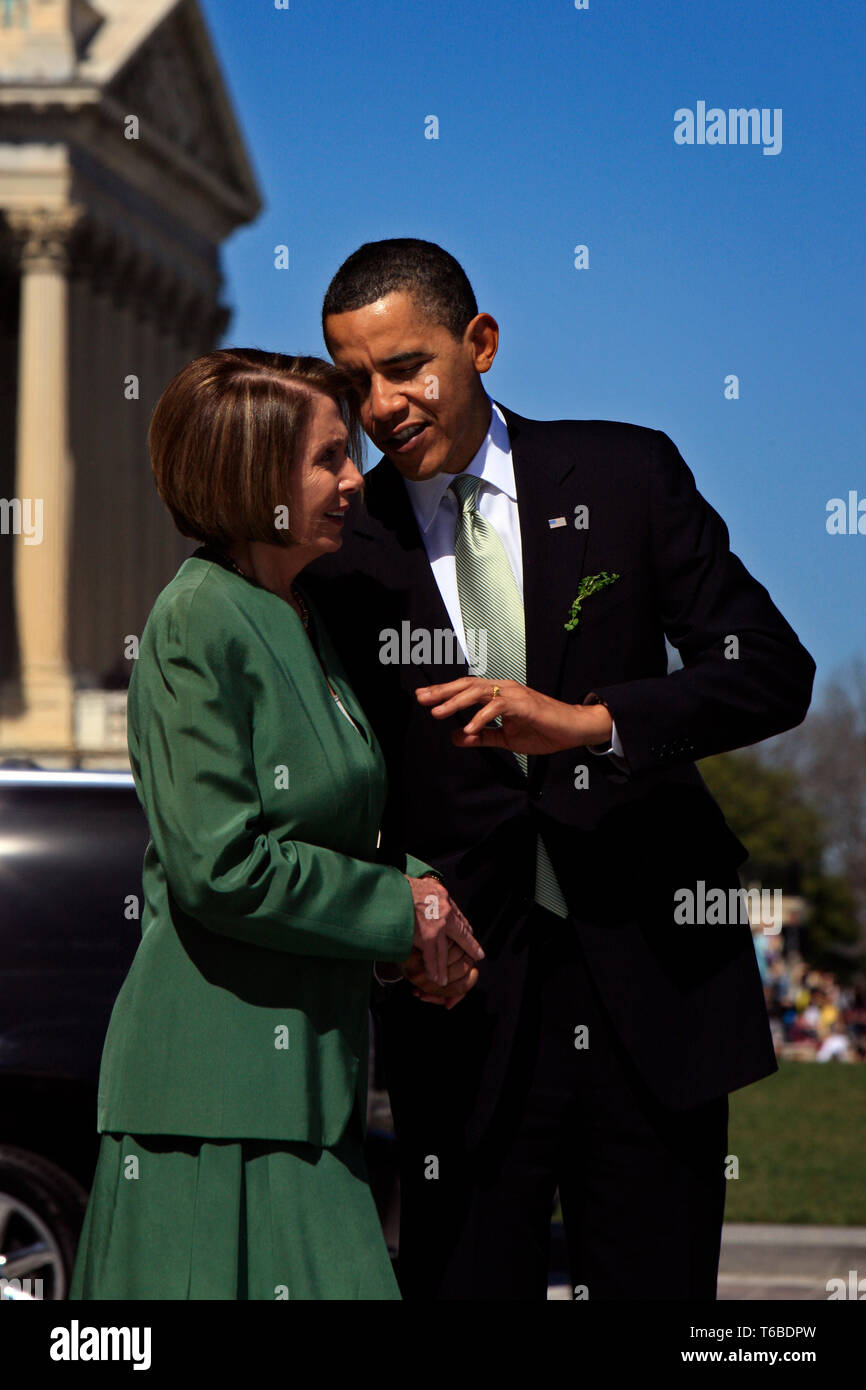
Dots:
pixel 812 1016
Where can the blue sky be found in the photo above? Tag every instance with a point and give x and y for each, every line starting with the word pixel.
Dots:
pixel 556 128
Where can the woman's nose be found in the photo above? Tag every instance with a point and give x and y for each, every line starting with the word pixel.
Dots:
pixel 352 479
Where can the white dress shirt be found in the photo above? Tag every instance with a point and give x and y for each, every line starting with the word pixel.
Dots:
pixel 436 507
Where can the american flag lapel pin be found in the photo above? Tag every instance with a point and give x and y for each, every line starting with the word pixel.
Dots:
pixel 556 521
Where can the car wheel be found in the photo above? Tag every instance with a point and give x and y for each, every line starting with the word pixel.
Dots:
pixel 41 1211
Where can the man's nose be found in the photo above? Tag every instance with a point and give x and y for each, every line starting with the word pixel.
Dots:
pixel 385 399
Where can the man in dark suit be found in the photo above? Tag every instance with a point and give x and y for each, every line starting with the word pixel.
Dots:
pixel 564 812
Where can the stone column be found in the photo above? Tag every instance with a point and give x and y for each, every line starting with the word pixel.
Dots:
pixel 101 519
pixel 43 482
pixel 151 575
pixel 128 419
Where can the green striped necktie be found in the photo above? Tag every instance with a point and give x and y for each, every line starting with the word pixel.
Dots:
pixel 490 603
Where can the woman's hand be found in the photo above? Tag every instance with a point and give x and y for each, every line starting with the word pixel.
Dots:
pixel 462 976
pixel 531 722
pixel 438 922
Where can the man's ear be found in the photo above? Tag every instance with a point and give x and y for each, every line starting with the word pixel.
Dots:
pixel 482 339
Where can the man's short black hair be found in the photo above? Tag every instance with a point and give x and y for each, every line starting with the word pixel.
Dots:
pixel 438 284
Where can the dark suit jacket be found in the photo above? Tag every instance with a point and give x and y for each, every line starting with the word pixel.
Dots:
pixel 686 1001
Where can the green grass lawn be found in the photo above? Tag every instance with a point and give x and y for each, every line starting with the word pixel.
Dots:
pixel 800 1137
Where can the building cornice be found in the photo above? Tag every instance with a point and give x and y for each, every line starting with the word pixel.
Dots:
pixel 92 121
pixel 89 111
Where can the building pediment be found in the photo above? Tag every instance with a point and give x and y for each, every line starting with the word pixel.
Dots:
pixel 152 59
pixel 172 83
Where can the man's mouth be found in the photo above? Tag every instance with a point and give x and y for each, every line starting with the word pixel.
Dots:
pixel 405 439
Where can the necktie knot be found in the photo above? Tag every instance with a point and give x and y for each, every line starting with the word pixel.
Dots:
pixel 465 488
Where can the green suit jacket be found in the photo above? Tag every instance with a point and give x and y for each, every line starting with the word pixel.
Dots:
pixel 245 1010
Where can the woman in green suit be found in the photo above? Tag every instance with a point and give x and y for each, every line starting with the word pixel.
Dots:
pixel 232 1092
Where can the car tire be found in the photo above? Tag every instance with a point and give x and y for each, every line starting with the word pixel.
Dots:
pixel 41 1211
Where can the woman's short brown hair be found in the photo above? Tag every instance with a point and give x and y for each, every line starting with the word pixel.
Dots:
pixel 226 436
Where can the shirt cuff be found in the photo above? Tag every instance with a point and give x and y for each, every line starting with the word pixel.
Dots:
pixel 614 746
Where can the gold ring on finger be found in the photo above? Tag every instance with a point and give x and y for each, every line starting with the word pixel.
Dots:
pixel 495 691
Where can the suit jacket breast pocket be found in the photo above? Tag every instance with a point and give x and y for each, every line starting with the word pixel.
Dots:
pixel 600 606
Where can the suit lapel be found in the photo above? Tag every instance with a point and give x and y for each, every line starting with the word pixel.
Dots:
pixel 388 505
pixel 553 556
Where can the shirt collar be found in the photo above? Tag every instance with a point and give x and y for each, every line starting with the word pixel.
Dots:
pixel 492 463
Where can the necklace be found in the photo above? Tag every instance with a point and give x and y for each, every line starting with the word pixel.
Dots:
pixel 304 610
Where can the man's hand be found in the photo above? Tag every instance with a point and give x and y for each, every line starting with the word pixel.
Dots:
pixel 531 722
pixel 439 923
pixel 462 976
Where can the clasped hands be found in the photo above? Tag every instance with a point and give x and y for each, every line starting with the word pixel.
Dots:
pixel 441 966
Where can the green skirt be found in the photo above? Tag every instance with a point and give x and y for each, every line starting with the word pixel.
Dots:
pixel 171 1217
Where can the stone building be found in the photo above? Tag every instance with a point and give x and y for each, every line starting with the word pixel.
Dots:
pixel 122 169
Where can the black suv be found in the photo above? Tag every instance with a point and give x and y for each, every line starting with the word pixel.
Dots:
pixel 71 850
